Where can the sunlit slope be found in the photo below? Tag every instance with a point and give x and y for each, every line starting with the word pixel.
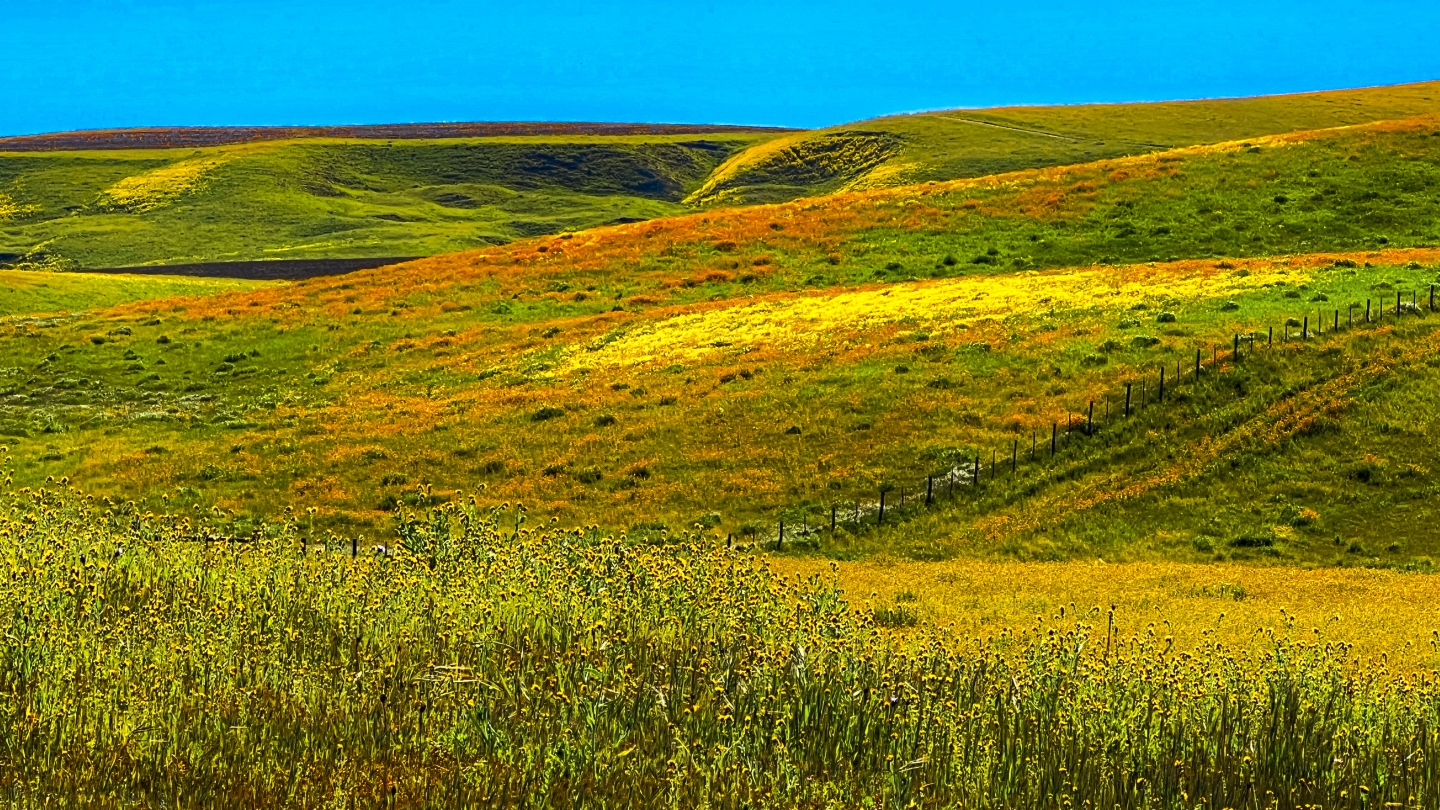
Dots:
pixel 28 293
pixel 331 199
pixel 734 366
pixel 953 144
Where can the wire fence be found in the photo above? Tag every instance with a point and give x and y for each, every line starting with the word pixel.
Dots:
pixel 894 502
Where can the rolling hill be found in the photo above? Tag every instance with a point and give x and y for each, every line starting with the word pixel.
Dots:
pixel 950 144
pixel 737 367
pixel 324 198
pixel 85 200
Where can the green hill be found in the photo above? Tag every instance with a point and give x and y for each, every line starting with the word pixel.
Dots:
pixel 319 198
pixel 740 366
pixel 949 144
pixel 313 197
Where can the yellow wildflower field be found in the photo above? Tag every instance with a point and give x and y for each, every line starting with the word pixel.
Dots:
pixel 801 322
pixel 1378 612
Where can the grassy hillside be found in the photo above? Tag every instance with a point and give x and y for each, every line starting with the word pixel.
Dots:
pixel 315 197
pixel 334 198
pixel 734 367
pixel 27 293
pixel 952 144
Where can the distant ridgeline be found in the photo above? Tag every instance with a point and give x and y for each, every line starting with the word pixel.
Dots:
pixel 174 137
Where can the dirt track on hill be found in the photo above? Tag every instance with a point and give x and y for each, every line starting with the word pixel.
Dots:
pixel 277 270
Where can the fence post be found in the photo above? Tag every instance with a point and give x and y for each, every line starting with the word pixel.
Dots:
pixel 977 470
pixel 1367 310
pixel 1397 303
pixel 881 518
pixel 992 463
pixel 1235 354
pixel 929 489
pixel 1128 387
pixel 1305 330
pixel 1197 365
pixel 950 490
pixel 1090 420
pixel 354 547
pixel 780 543
pixel 1337 321
pixel 1161 394
pixel 834 511
pixel 1144 398
pixel 1319 323
pixel 1432 297
pixel 1270 341
pixel 1054 437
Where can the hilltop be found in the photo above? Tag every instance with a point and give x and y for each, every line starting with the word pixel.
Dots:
pixel 951 144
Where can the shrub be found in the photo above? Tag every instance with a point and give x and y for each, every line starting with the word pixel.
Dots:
pixel 546 413
pixel 1165 317
pixel 604 420
pixel 1229 306
pixel 1144 341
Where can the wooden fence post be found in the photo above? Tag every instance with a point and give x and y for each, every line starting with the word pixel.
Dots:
pixel 1319 323
pixel 354 547
pixel 834 512
pixel 1337 321
pixel 1197 365
pixel 1432 297
pixel 1367 310
pixel 1235 353
pixel 929 489
pixel 1144 400
pixel 1397 303
pixel 1054 437
pixel 1305 330
pixel 1127 396
pixel 1270 341
pixel 881 518
pixel 780 543
pixel 1161 395
pixel 992 463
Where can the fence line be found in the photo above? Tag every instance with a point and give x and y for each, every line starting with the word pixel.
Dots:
pixel 967 474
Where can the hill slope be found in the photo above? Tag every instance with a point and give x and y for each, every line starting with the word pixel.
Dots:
pixel 951 144
pixel 736 366
pixel 317 198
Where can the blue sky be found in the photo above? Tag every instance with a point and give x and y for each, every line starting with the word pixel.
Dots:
pixel 83 64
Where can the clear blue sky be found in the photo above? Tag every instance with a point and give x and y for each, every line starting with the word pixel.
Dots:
pixel 90 63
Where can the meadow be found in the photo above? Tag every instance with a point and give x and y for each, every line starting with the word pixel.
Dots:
pixel 492 664
pixel 502 527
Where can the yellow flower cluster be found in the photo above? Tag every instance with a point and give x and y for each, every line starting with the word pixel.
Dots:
pixel 159 187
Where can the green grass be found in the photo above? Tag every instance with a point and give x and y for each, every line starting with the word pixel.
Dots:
pixel 333 199
pixel 31 293
pixel 898 150
pixel 492 664
pixel 347 393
